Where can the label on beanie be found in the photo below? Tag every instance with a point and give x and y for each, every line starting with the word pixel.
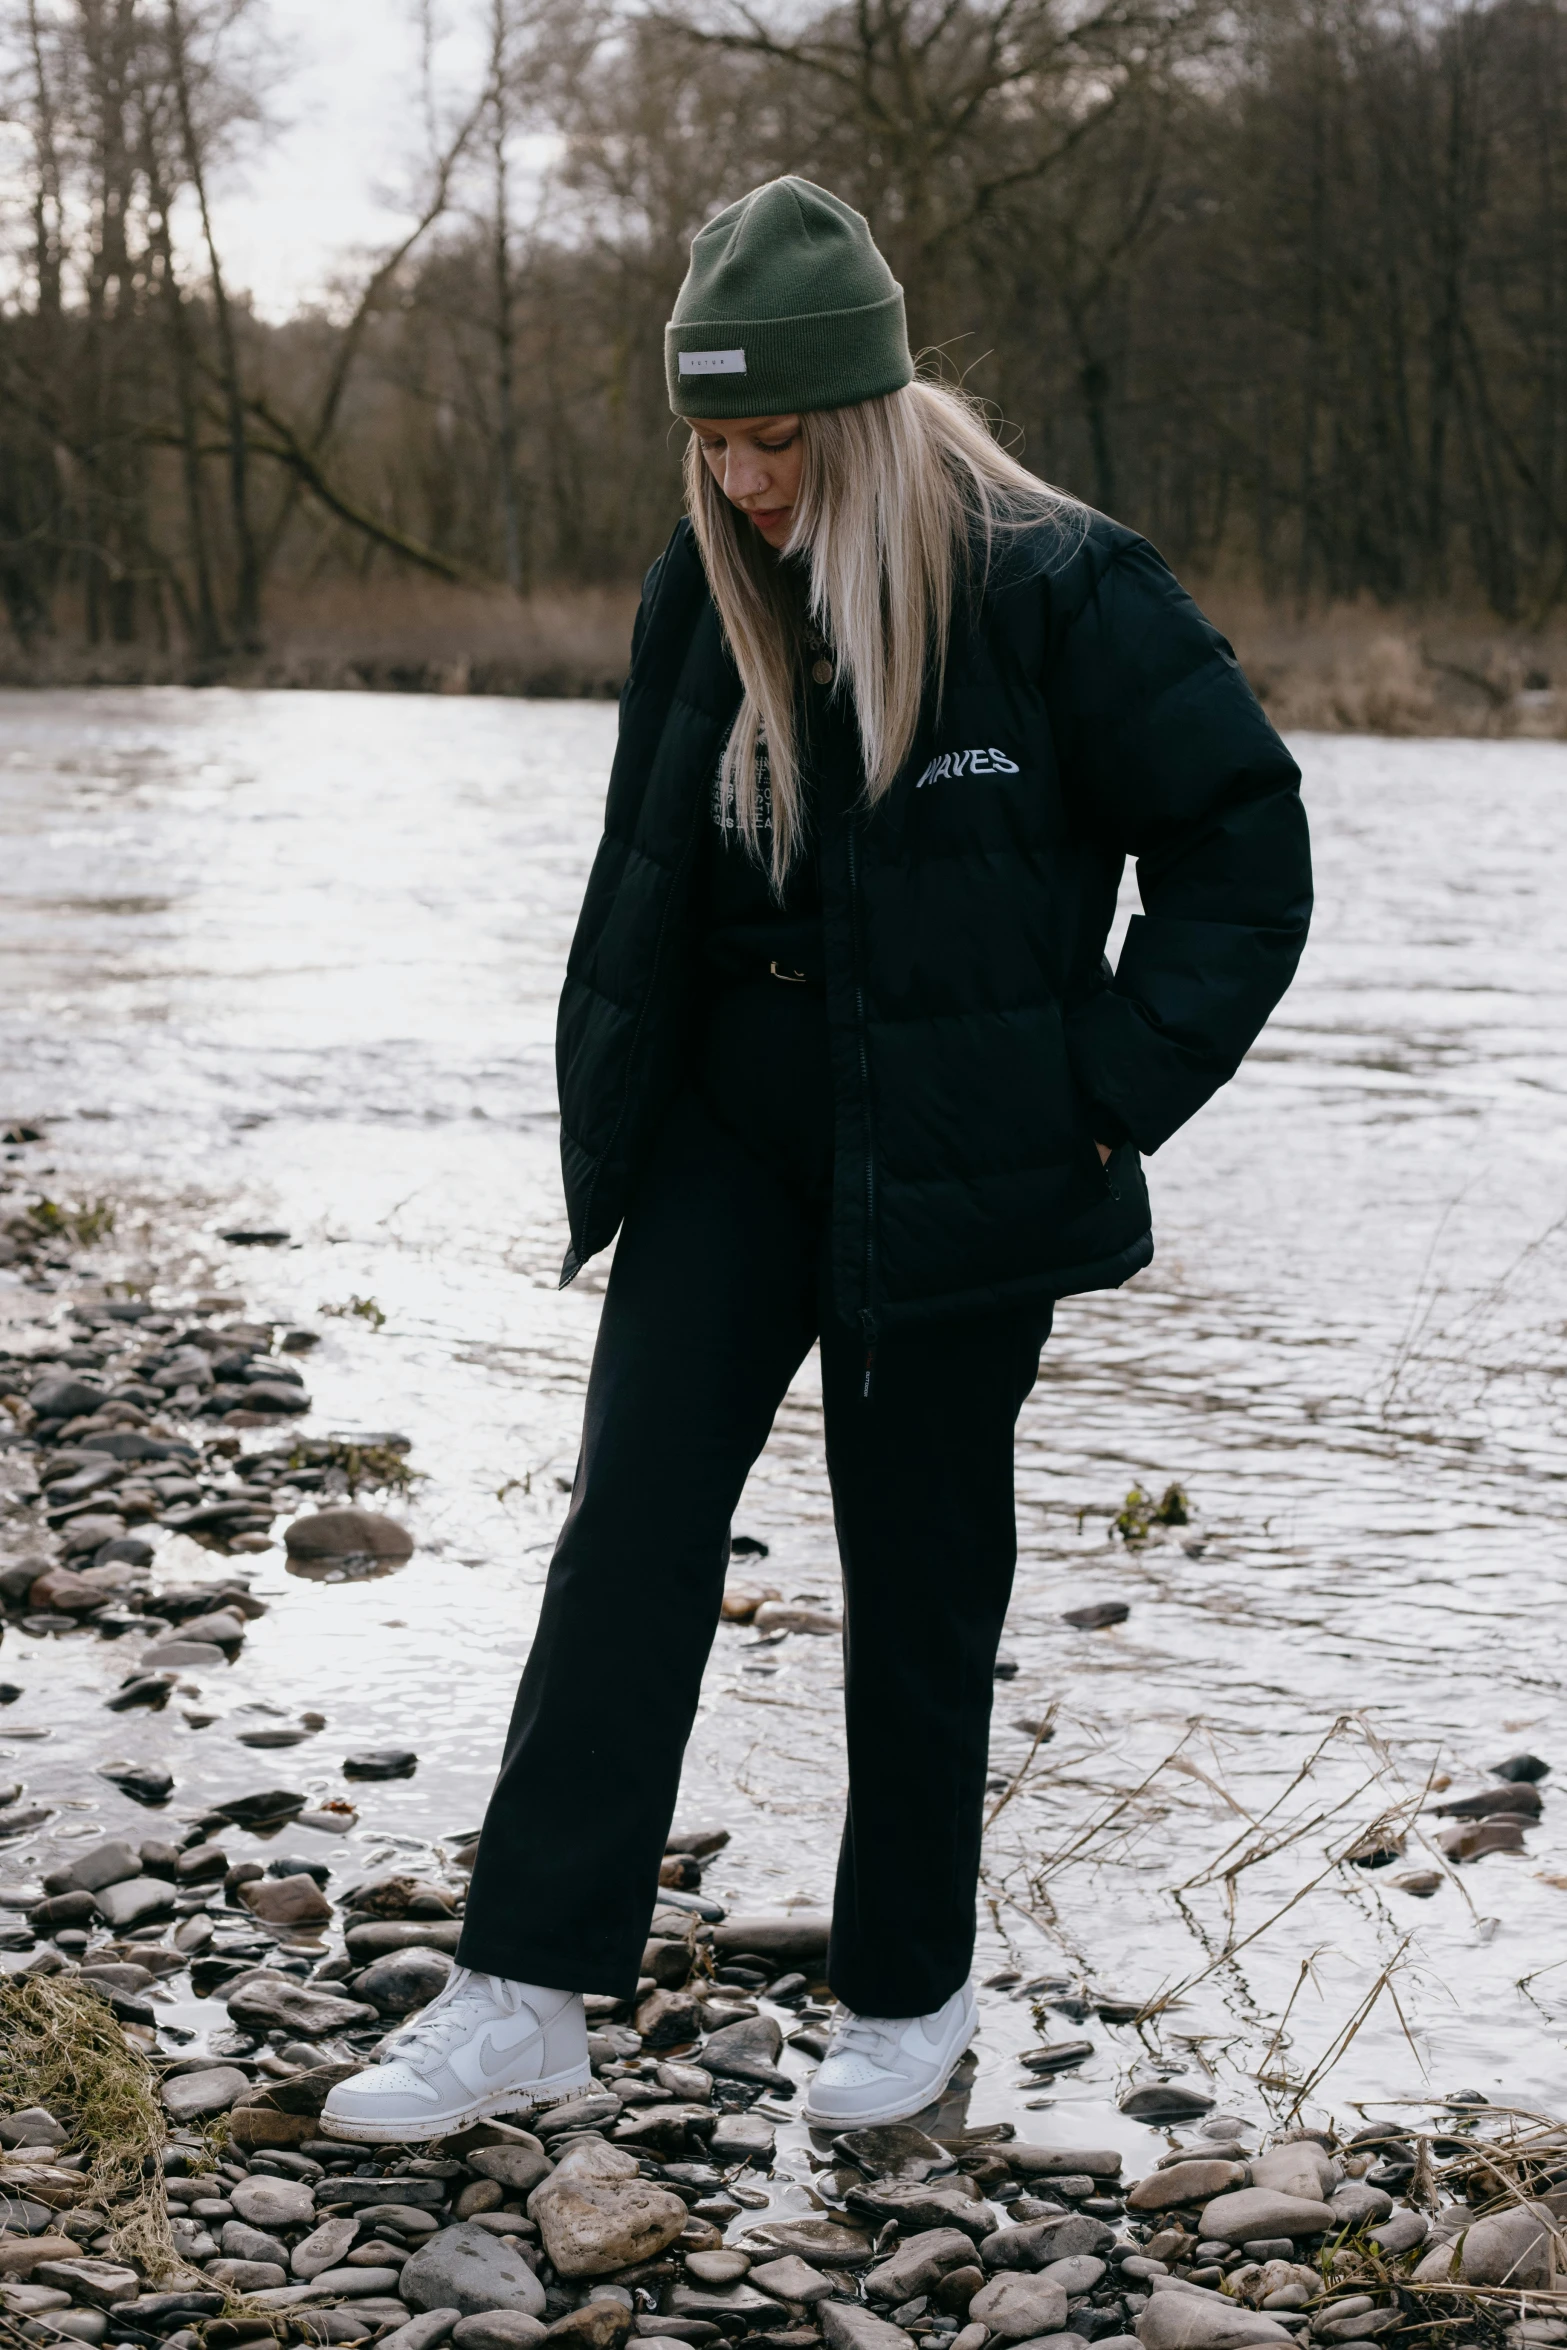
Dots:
pixel 712 363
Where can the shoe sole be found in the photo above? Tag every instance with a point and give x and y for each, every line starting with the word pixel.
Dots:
pixel 900 2112
pixel 556 2091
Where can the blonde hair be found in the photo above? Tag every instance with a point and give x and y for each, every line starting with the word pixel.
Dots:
pixel 901 501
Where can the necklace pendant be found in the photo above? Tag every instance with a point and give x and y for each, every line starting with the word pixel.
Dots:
pixel 822 672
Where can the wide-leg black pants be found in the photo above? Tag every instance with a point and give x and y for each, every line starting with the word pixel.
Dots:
pixel 718 1289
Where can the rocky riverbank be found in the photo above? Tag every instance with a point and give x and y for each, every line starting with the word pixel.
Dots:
pixel 179 2002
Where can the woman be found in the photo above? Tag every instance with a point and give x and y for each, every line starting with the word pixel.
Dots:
pixel 842 1061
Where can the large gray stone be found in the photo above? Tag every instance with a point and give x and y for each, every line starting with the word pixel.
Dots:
pixel 931 2203
pixel 135 1901
pixel 1193 2321
pixel 919 2264
pixel 1354 2204
pixel 1510 2248
pixel 348 1533
pixel 103 1864
pixel 848 2325
pixel 467 2269
pixel 247 2276
pixel 826 2240
pixel 897 2150
pixel 1300 2168
pixel 266 1999
pixel 273 2203
pixel 597 2213
pixel 1078 2274
pixel 1262 2211
pixel 1402 2232
pixel 792 2279
pixel 1185 2182
pixel 1041 2241
pixel 1018 2307
pixel 196 2096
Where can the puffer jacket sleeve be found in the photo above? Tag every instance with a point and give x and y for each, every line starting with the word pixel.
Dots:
pixel 1167 757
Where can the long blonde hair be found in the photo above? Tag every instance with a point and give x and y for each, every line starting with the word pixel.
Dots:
pixel 901 501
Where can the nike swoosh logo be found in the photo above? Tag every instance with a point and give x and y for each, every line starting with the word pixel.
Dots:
pixel 487 2056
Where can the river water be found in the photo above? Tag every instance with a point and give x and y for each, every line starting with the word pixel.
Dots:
pixel 292 960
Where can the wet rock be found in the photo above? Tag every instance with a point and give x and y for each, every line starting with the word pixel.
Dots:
pixel 596 2213
pixel 404 1980
pixel 182 1656
pixel 1192 2321
pixel 273 2203
pixel 1521 1769
pixel 792 2279
pixel 587 2112
pixel 668 2019
pixel 846 2325
pixel 796 1938
pixel 135 1901
pixel 190 2097
pixel 142 1782
pixel 62 1911
pixel 102 1864
pixel 467 2269
pixel 1510 2248
pixel 499 2329
pixel 35 2125
pixel 1019 2307
pixel 1184 2182
pixel 670 2130
pixel 1422 1883
pixel 1165 2101
pixel 268 1999
pixel 348 1533
pixel 149 1689
pixel 935 2203
pixel 747 2051
pixel 1521 1798
pixel 1299 2168
pixel 325 2247
pixel 518 2169
pixel 381 1762
pixel 734 2307
pixel 60 1592
pixel 742 2137
pixel 380 1936
pixel 269 1807
pixel 919 2263
pixel 66 1398
pixel 287 1901
pixel 1476 1838
pixel 1097 1618
pixel 826 2241
pixel 201 1864
pixel 1263 2211
pixel 1039 2242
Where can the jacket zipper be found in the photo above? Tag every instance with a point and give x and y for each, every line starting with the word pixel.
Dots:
pixel 867 1311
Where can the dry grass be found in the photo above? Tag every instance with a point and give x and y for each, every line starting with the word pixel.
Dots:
pixel 61 2048
pixel 1363 668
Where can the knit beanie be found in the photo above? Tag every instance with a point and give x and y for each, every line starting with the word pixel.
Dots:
pixel 787 305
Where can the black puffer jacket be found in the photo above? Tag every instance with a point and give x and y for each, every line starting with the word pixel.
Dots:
pixel 980 1040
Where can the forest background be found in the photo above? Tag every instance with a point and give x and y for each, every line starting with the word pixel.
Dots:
pixel 1282 283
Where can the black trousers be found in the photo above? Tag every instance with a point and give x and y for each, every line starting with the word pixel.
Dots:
pixel 717 1292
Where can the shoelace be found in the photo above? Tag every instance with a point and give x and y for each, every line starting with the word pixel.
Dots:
pixel 875 2036
pixel 448 2019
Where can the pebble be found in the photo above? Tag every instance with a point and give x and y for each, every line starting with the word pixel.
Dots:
pixel 1019 2307
pixel 1510 2248
pixel 846 2325
pixel 273 2203
pixel 404 1980
pixel 135 1901
pixel 791 2279
pixel 381 1762
pixel 1264 2211
pixel 190 2097
pixel 325 2247
pixel 1165 2101
pixel 747 2051
pixel 919 2263
pixel 467 2269
pixel 498 2329
pixel 596 2214
pixel 287 1901
pixel 1184 2182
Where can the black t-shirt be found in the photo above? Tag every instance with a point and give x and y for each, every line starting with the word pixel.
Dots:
pixel 745 929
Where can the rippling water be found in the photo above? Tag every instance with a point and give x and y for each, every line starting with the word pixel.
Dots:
pixel 293 960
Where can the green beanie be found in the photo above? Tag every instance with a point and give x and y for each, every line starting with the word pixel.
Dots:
pixel 787 305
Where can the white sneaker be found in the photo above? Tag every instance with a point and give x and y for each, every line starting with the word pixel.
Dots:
pixel 883 2068
pixel 483 2045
